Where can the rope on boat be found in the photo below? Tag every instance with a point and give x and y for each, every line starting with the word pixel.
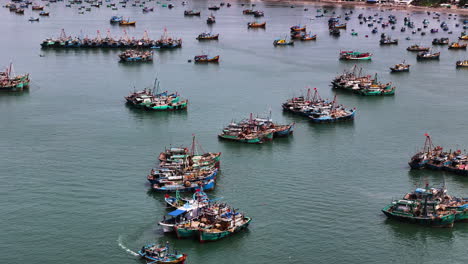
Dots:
pixel 121 245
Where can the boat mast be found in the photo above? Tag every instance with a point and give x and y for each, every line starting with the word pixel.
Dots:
pixel 154 85
pixel 428 146
pixel 193 145
pixel 308 94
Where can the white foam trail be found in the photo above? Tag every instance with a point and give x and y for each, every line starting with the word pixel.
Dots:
pixel 119 240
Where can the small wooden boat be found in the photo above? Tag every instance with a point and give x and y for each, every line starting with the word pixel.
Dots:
pixel 207 36
pixel 258 13
pixel 127 23
pixel 401 67
pixel 248 12
pixel 33 19
pixel 354 55
pixel 340 26
pixel 44 13
pixel 426 55
pixel 456 45
pixel 463 37
pixel 298 28
pixel 308 36
pixel 205 59
pixel 147 9
pixel 417 48
pixel 160 255
pixel 211 19
pixel 462 64
pixel 191 13
pixel 214 8
pixel 37 7
pixel 282 42
pixel 256 25
pixel 19 11
pixel 388 41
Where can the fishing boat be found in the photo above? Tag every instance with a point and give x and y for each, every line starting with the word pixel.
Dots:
pixel 297 34
pixel 136 56
pixel 456 45
pixel 256 25
pixel 462 64
pixel 463 37
pixel 298 28
pixel 401 67
pixel 166 42
pixel 228 224
pixel 354 55
pixel 32 19
pixel 386 40
pixel 116 19
pixel 127 22
pixel 426 55
pixel 19 11
pixel 248 11
pixel 440 41
pixel 335 32
pixel 214 8
pixel 336 113
pixel 211 19
pixel 282 42
pixel 44 13
pixel 417 48
pixel 208 36
pixel 9 81
pixel 147 9
pixel 191 13
pixel 423 213
pixel 37 7
pixel 420 159
pixel 206 59
pixel 158 254
pixel 308 36
pixel 258 13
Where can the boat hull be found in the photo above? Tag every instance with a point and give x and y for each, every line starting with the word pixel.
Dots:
pixel 205 236
pixel 443 221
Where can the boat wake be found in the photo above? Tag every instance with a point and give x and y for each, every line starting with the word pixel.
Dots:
pixel 121 245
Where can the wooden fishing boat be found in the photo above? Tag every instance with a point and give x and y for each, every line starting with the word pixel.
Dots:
pixel 426 55
pixel 147 9
pixel 248 12
pixel 19 11
pixel 417 48
pixel 208 36
pixel 440 41
pixel 308 36
pixel 414 212
pixel 258 13
pixel 462 64
pixel 282 42
pixel 211 19
pixel 11 82
pixel 186 186
pixel 127 23
pixel 44 13
pixel 354 55
pixel 386 40
pixel 420 159
pixel 298 28
pixel 463 37
pixel 37 7
pixel 214 8
pixel 158 254
pixel 297 34
pixel 116 19
pixel 226 226
pixel 32 19
pixel 401 67
pixel 206 59
pixel 136 56
pixel 456 45
pixel 256 25
pixel 340 26
pixel 191 13
pixel 335 113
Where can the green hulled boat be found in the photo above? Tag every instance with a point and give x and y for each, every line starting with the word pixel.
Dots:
pixel 186 230
pixel 213 234
pixel 11 82
pixel 419 213
pixel 164 106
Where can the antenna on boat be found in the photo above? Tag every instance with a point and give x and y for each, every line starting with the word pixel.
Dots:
pixel 308 94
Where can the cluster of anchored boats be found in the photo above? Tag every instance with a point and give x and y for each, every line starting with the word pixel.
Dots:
pixel 362 84
pixel 136 56
pixel 64 41
pixel 255 130
pixel 429 207
pixel 9 81
pixel 183 169
pixel 153 99
pixel 317 109
pixel 435 158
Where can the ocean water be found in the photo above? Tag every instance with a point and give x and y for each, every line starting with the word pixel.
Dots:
pixel 74 158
